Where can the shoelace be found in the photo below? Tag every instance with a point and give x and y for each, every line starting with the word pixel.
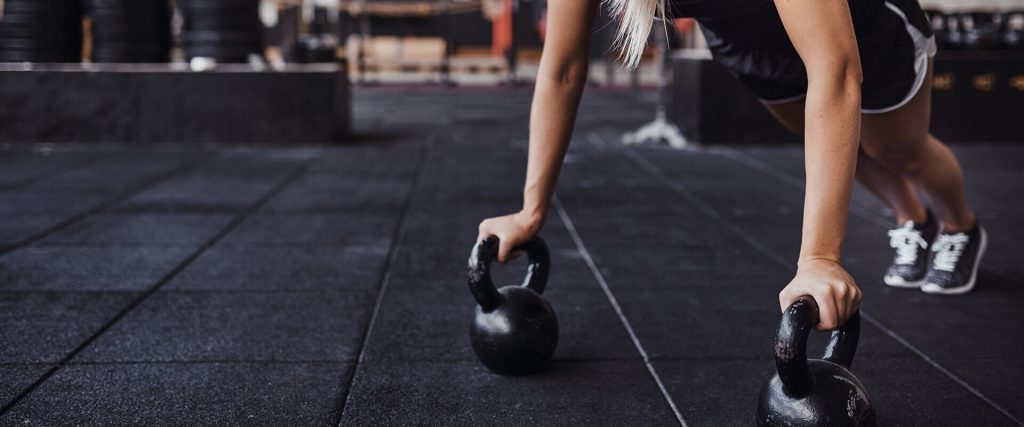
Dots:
pixel 948 248
pixel 906 240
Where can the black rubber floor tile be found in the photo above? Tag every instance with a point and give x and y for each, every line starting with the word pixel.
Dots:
pixel 341 193
pixel 80 268
pixel 568 393
pixel 371 229
pixel 1002 377
pixel 674 266
pixel 19 227
pixel 45 327
pixel 367 161
pixel 142 229
pixel 198 193
pixel 254 268
pixel 908 391
pixel 1003 253
pixel 115 172
pixel 627 232
pixel 715 392
pixel 955 328
pixel 25 166
pixel 200 326
pixel 613 200
pixel 17 378
pixel 186 394
pixel 701 323
pixel 31 202
pixel 431 325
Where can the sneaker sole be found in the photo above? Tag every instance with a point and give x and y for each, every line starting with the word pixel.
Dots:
pixel 934 289
pixel 899 282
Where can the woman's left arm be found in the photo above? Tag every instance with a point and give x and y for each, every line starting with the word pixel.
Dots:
pixel 822 32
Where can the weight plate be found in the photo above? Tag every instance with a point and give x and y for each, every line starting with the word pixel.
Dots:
pixel 122 4
pixel 32 45
pixel 220 37
pixel 223 4
pixel 154 28
pixel 42 9
pixel 35 32
pixel 36 56
pixel 27 18
pixel 103 56
pixel 217 51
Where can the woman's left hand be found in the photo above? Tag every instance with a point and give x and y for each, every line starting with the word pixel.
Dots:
pixel 834 290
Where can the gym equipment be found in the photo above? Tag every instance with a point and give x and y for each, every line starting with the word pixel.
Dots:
pixel 130 30
pixel 514 329
pixel 660 129
pixel 1012 31
pixel 815 392
pixel 980 29
pixel 41 31
pixel 225 30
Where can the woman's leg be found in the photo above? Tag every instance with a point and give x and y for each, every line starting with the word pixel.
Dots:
pixel 893 189
pixel 899 141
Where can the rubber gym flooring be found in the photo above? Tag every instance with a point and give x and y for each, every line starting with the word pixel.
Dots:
pixel 315 285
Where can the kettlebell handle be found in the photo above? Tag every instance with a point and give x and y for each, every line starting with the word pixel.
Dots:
pixel 479 273
pixel 791 345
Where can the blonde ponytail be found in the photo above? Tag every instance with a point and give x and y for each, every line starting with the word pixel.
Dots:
pixel 635 20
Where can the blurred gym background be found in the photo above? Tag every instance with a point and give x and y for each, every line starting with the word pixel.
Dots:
pixel 447 43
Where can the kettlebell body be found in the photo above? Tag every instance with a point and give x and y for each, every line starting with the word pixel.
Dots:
pixel 514 329
pixel 816 392
pixel 838 399
pixel 518 336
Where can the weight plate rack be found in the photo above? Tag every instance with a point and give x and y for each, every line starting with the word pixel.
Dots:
pixel 41 31
pixel 130 30
pixel 225 30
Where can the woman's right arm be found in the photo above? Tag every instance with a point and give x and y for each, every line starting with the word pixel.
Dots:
pixel 556 97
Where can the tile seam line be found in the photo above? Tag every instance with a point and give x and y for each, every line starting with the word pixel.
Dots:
pixel 396 242
pixel 142 297
pixel 757 165
pixel 582 249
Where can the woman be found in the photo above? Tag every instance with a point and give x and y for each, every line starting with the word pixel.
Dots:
pixel 852 76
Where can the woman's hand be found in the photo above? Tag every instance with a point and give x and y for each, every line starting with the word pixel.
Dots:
pixel 831 287
pixel 511 231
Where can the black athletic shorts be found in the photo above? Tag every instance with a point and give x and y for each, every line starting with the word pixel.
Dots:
pixel 893 36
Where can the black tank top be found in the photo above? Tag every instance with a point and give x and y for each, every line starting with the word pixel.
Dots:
pixel 755 24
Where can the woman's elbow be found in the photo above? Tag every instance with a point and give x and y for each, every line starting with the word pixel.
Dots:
pixel 839 77
pixel 571 72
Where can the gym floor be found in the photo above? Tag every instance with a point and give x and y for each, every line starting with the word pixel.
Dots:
pixel 313 285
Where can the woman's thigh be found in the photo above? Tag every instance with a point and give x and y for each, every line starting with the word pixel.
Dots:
pixel 882 134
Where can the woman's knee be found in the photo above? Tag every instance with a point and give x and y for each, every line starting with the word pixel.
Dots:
pixel 904 154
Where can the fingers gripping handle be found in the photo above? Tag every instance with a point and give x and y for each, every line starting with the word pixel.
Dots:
pixel 540 264
pixel 791 345
pixel 479 270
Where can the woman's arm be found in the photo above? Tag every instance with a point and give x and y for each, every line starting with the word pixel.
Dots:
pixel 822 32
pixel 556 97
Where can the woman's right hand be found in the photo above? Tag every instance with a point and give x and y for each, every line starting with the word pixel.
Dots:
pixel 511 231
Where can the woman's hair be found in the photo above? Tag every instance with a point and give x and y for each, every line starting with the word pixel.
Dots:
pixel 635 19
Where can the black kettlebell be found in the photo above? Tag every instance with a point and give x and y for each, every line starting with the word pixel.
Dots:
pixel 816 392
pixel 514 330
